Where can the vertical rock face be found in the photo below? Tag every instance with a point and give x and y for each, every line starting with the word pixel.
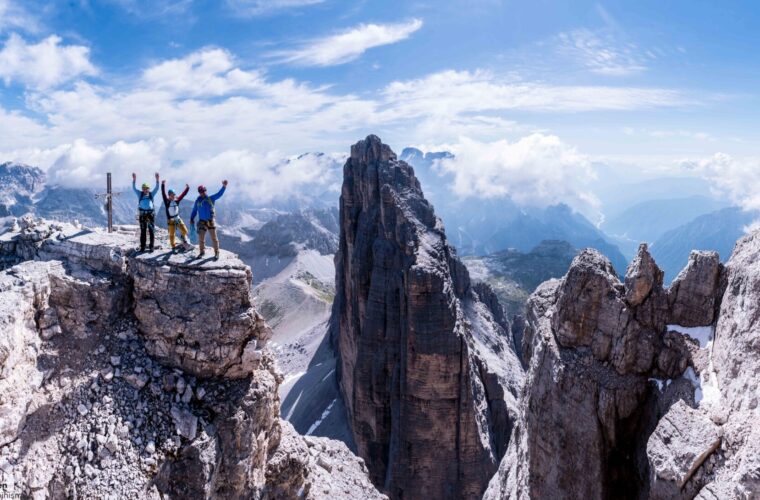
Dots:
pixel 587 408
pixel 427 368
pixel 200 319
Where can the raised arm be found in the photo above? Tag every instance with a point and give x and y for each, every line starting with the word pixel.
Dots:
pixel 134 185
pixel 163 192
pixel 219 193
pixel 155 188
pixel 187 188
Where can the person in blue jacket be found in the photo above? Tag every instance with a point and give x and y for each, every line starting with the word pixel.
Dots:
pixel 204 209
pixel 146 210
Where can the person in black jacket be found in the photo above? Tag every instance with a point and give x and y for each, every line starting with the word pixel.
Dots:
pixel 173 220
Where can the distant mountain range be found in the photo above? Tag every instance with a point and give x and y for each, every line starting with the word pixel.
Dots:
pixel 717 231
pixel 648 220
pixel 484 226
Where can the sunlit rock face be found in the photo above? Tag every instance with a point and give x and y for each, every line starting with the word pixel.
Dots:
pixel 144 376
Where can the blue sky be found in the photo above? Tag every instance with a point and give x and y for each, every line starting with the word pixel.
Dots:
pixel 529 94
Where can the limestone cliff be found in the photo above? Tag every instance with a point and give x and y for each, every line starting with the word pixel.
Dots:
pixel 626 396
pixel 427 369
pixel 141 376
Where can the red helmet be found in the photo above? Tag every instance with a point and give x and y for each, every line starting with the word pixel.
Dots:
pixel 201 188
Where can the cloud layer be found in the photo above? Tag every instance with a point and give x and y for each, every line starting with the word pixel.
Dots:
pixel 207 114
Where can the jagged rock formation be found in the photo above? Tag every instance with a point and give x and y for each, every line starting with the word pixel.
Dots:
pixel 427 369
pixel 102 395
pixel 587 407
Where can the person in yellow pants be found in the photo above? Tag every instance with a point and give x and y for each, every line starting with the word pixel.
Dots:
pixel 173 220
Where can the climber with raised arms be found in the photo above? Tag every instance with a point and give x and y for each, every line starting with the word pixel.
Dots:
pixel 173 221
pixel 146 210
pixel 204 209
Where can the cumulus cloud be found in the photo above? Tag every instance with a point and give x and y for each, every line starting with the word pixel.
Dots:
pixel 82 164
pixel 736 178
pixel 537 170
pixel 45 64
pixel 209 71
pixel 261 177
pixel 259 7
pixel 348 45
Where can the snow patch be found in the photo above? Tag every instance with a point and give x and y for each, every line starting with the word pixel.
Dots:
pixel 706 390
pixel 293 408
pixel 703 334
pixel 321 418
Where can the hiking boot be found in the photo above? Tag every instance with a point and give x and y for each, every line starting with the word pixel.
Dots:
pixel 216 256
pixel 200 255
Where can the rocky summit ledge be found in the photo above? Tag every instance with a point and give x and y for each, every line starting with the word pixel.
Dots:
pixel 195 314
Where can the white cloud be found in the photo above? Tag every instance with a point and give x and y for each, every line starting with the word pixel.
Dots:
pixel 349 45
pixel 449 92
pixel 601 54
pixel 204 113
pixel 206 72
pixel 737 178
pixel 259 7
pixel 82 164
pixel 45 64
pixel 13 16
pixel 537 170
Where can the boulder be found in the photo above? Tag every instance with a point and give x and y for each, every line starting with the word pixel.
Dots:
pixel 680 443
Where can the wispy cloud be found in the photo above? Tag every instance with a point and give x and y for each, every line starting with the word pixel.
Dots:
pixel 454 92
pixel 601 54
pixel 261 7
pixel 45 64
pixel 14 16
pixel 154 8
pixel 348 45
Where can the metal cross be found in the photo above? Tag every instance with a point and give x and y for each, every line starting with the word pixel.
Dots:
pixel 108 195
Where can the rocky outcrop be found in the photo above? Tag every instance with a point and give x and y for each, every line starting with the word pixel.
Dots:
pixel 199 318
pixel 427 369
pixel 143 376
pixel 588 406
pixel 694 296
